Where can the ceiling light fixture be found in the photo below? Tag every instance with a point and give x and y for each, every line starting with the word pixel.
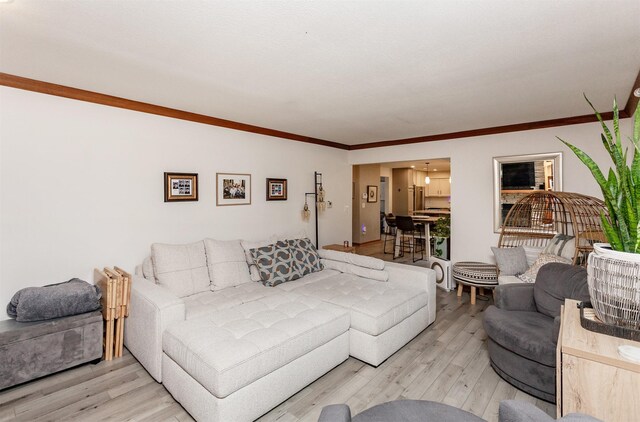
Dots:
pixel 637 92
pixel 427 179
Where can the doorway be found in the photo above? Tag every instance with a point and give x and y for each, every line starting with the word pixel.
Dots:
pixel 420 189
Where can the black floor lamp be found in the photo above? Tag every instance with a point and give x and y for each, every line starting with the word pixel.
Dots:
pixel 319 201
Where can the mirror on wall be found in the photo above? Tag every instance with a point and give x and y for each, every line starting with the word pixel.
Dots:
pixel 518 175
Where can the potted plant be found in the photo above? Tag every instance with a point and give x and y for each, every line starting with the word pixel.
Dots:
pixel 440 233
pixel 614 268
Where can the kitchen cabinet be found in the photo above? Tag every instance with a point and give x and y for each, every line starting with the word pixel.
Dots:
pixel 439 187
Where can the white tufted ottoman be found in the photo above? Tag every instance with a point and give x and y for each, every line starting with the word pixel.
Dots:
pixel 383 316
pixel 235 363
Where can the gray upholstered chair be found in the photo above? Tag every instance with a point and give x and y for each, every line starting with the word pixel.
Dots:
pixel 523 326
pixel 427 411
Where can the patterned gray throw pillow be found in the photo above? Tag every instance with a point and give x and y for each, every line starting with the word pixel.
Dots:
pixel 305 255
pixel 275 264
pixel 530 275
pixel 562 245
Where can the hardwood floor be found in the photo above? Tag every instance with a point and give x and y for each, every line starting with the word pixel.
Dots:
pixel 447 362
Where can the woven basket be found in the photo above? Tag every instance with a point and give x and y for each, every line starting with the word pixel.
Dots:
pixel 614 287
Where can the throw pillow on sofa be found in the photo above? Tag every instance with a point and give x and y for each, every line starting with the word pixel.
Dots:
pixel 226 263
pixel 511 261
pixel 181 268
pixel 275 264
pixel 532 253
pixel 148 271
pixel 305 255
pixel 247 246
pixel 530 275
pixel 562 245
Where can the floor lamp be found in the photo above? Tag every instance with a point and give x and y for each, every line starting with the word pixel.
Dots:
pixel 318 195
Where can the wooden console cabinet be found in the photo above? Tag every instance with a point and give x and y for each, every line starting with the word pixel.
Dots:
pixel 592 377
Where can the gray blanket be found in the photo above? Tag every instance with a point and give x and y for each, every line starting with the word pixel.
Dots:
pixel 54 301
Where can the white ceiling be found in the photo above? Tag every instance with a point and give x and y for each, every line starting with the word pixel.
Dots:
pixel 347 71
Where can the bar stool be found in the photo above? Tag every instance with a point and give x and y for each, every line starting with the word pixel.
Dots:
pixel 390 232
pixel 412 237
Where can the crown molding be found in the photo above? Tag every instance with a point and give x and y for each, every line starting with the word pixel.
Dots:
pixel 42 87
pixel 34 85
pixel 518 127
pixel 632 102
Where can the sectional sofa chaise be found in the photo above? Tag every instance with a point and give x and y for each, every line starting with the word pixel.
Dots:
pixel 229 348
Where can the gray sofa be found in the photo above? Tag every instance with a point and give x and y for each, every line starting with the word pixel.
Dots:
pixel 426 411
pixel 523 326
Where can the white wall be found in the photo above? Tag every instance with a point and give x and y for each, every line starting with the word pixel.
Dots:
pixel 365 213
pixel 81 184
pixel 82 187
pixel 472 174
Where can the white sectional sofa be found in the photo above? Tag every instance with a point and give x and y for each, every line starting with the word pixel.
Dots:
pixel 230 349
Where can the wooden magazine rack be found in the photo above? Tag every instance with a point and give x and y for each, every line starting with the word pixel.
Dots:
pixel 115 284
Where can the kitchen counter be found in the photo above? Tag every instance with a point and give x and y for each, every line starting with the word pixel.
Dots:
pixel 433 211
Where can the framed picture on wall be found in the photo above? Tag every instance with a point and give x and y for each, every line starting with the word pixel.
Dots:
pixel 276 189
pixel 180 187
pixel 372 193
pixel 233 189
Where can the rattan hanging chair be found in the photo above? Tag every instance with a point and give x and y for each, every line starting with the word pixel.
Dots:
pixel 537 217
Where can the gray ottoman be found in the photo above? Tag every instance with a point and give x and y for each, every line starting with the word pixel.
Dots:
pixel 30 350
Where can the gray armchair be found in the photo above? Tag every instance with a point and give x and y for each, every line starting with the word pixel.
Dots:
pixel 425 411
pixel 523 326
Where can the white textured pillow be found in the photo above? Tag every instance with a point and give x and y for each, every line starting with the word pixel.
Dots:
pixel 351 258
pixel 562 245
pixel 345 267
pixel 227 263
pixel 247 246
pixel 181 268
pixel 532 253
pixel 510 261
pixel 530 275
pixel 147 270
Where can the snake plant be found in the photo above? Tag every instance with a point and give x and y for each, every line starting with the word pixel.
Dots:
pixel 621 187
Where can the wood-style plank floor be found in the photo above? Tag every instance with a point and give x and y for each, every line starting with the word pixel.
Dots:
pixel 447 362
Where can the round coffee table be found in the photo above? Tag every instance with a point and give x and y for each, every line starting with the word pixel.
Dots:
pixel 474 274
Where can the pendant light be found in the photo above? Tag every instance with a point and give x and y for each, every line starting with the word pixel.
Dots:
pixel 427 179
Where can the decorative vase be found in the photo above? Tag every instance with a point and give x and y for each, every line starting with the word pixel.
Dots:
pixel 614 286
